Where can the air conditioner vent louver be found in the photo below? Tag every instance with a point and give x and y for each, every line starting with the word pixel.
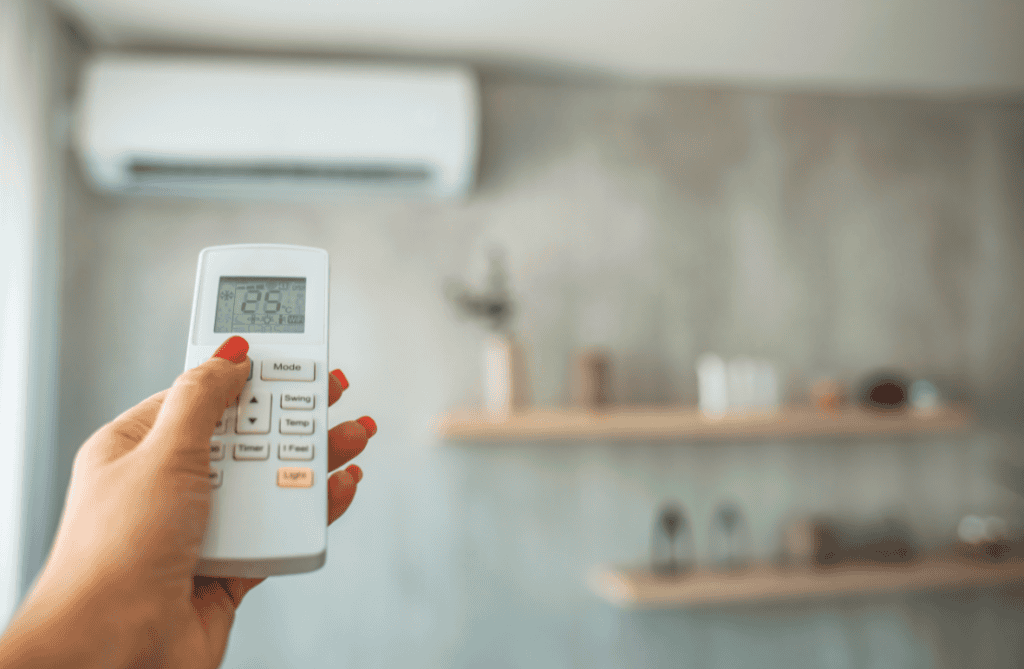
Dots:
pixel 354 174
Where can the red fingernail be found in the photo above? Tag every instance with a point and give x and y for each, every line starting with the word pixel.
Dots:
pixel 356 472
pixel 234 349
pixel 369 425
pixel 341 378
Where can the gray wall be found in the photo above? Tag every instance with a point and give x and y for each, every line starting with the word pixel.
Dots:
pixel 833 235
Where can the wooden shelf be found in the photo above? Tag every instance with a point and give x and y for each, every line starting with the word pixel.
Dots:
pixel 641 589
pixel 636 423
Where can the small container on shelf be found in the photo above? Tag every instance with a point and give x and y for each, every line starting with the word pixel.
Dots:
pixel 591 379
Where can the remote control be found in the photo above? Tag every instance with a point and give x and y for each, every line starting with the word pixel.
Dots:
pixel 268 453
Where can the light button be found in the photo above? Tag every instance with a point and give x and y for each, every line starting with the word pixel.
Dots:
pixel 288 370
pixel 295 477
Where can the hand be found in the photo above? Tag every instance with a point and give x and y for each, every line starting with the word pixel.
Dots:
pixel 118 588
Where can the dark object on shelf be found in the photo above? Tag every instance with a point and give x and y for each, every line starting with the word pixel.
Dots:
pixel 887 542
pixel 494 305
pixel 884 391
pixel 730 538
pixel 590 379
pixel 988 551
pixel 672 546
pixel 986 538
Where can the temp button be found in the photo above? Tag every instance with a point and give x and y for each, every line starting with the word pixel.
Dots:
pixel 288 370
pixel 295 425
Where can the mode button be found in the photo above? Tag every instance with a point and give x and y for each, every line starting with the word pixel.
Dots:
pixel 288 370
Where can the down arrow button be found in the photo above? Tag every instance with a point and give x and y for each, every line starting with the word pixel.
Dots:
pixel 254 413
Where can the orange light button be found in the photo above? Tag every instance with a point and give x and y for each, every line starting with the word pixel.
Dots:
pixel 295 477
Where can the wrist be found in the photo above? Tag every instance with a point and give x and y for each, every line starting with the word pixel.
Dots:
pixel 66 629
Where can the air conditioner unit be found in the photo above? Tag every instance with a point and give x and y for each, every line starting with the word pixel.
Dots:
pixel 252 128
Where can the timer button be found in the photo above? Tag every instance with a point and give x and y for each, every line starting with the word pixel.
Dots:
pixel 252 451
pixel 288 370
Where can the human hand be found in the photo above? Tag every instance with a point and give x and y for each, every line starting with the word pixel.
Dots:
pixel 118 588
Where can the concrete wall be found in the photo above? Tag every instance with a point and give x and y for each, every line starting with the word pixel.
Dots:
pixel 832 235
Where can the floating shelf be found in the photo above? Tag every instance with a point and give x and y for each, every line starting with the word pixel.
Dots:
pixel 763 584
pixel 636 423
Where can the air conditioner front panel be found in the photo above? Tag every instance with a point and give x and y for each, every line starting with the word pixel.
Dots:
pixel 304 119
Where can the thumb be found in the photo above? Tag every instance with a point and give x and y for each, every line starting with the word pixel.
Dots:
pixel 192 406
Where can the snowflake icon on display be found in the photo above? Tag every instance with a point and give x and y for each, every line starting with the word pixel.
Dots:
pixel 226 294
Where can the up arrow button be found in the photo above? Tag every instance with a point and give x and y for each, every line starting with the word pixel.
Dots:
pixel 288 370
pixel 253 413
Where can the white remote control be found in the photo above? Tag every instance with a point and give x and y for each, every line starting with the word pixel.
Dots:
pixel 268 454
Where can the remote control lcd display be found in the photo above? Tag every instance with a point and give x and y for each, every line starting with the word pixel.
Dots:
pixel 261 304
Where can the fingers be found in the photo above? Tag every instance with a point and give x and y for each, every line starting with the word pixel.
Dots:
pixel 341 488
pixel 215 609
pixel 238 587
pixel 195 402
pixel 338 385
pixel 344 442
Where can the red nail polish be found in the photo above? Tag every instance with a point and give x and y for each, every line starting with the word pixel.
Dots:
pixel 234 349
pixel 341 378
pixel 356 472
pixel 368 424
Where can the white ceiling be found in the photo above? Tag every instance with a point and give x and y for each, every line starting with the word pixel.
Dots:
pixel 944 46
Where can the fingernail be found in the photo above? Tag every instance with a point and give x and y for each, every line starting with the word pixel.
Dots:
pixel 341 378
pixel 356 472
pixel 344 478
pixel 234 349
pixel 369 425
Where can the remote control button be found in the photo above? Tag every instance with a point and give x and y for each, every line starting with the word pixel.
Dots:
pixel 295 477
pixel 294 450
pixel 291 425
pixel 215 477
pixel 224 424
pixel 250 369
pixel 216 450
pixel 298 401
pixel 288 370
pixel 253 413
pixel 252 451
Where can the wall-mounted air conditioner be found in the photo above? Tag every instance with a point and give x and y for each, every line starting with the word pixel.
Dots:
pixel 258 128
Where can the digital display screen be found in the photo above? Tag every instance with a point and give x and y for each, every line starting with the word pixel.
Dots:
pixel 261 304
